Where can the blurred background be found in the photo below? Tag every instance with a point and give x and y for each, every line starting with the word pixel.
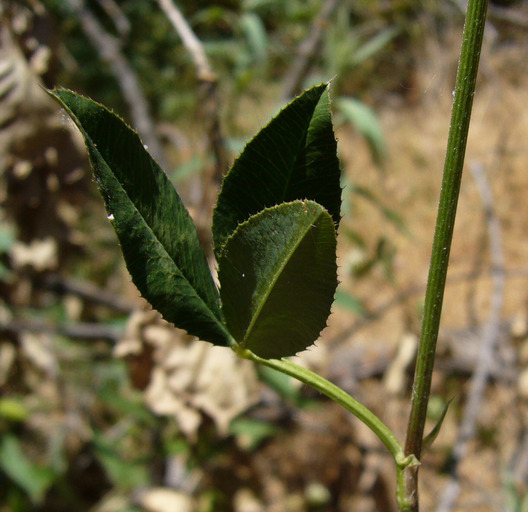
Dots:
pixel 105 408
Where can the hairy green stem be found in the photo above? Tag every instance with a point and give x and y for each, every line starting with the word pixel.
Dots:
pixel 456 148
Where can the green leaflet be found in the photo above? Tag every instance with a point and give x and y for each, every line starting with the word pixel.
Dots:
pixel 34 480
pixel 293 157
pixel 278 276
pixel 430 438
pixel 365 121
pixel 277 264
pixel 158 238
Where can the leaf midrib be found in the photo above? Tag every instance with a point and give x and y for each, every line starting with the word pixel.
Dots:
pixel 156 238
pixel 274 281
pixel 299 151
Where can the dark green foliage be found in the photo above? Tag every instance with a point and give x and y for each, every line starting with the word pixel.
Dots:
pixel 293 157
pixel 275 220
pixel 158 237
pixel 34 480
pixel 278 276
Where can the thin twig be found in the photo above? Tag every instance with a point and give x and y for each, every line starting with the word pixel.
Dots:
pixel 209 81
pixel 211 107
pixel 383 308
pixel 115 13
pixel 191 42
pixel 86 291
pixel 81 331
pixel 478 267
pixel 109 50
pixel 509 15
pixel 487 346
pixel 308 50
pixel 519 465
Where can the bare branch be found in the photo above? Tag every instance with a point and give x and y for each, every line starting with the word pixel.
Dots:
pixel 82 331
pixel 117 16
pixel 86 291
pixel 508 15
pixel 308 50
pixel 211 107
pixel 191 42
pixel 519 464
pixel 109 50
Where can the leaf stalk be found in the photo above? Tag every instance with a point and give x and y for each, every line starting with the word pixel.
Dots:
pixel 335 393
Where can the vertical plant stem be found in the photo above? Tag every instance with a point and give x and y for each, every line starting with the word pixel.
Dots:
pixel 454 161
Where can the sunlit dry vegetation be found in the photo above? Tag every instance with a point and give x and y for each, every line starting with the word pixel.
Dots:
pixel 105 407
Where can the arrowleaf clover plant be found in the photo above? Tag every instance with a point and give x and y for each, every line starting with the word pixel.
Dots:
pixel 274 228
pixel 274 232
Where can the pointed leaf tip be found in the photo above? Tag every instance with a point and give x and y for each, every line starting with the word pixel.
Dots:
pixel 293 158
pixel 158 238
pixel 430 438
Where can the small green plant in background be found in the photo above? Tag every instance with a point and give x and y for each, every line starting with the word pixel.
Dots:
pixel 274 231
